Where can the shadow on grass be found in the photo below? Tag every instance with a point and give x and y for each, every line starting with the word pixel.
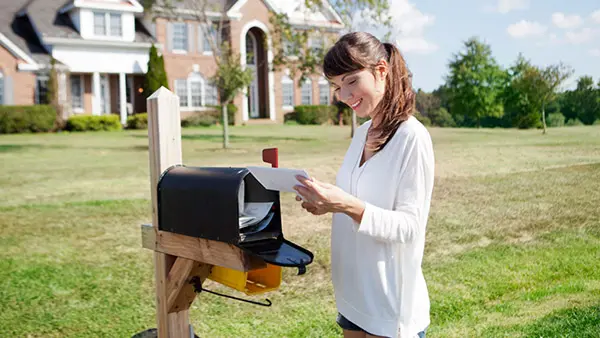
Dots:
pixel 7 148
pixel 241 138
pixel 573 322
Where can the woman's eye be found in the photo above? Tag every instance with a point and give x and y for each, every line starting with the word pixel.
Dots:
pixel 352 82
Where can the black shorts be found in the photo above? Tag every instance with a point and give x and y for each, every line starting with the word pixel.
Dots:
pixel 345 324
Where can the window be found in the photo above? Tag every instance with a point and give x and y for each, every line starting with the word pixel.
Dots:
pixel 41 90
pixel 211 94
pixel 195 92
pixel 1 88
pixel 250 49
pixel 76 91
pixel 324 97
pixel 206 40
pixel 99 24
pixel 180 36
pixel 107 24
pixel 306 92
pixel 317 44
pixel 182 92
pixel 115 24
pixel 287 88
pixel 288 48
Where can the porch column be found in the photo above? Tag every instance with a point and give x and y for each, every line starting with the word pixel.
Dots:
pixel 122 98
pixel 96 94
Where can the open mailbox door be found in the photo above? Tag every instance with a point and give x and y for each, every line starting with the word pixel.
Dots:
pixel 228 205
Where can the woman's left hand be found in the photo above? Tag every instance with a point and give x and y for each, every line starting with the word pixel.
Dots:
pixel 319 197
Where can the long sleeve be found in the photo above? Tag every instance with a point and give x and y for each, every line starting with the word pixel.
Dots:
pixel 404 223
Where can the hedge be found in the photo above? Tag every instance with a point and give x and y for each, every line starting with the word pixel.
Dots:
pixel 94 123
pixel 24 119
pixel 314 114
pixel 137 121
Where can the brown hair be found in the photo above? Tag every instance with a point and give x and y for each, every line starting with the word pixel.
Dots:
pixel 359 50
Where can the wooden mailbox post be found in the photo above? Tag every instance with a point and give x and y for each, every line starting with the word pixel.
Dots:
pixel 179 258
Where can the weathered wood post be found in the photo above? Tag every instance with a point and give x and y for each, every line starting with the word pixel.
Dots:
pixel 164 144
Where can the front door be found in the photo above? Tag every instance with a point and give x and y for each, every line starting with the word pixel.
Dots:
pixel 251 56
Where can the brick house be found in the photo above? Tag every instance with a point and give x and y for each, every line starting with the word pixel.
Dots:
pixel 101 52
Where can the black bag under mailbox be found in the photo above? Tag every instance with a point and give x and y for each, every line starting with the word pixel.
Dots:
pixel 203 202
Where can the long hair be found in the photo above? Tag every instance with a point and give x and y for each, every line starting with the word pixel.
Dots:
pixel 360 50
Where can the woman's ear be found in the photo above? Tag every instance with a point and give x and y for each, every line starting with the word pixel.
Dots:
pixel 381 69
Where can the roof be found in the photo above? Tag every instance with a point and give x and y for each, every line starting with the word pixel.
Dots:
pixel 20 31
pixel 20 19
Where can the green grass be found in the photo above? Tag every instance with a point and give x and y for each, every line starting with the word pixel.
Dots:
pixel 512 249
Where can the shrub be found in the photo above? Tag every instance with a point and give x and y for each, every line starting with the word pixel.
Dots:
pixel 574 122
pixel 199 120
pixel 218 115
pixel 423 119
pixel 23 119
pixel 555 120
pixel 137 121
pixel 597 122
pixel 441 117
pixel 314 114
pixel 94 123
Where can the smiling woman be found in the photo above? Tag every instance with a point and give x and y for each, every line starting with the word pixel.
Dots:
pixel 382 196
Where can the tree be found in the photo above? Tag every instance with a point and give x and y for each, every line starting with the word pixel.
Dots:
pixel 156 76
pixel 427 102
pixel 583 102
pixel 290 43
pixel 475 82
pixel 231 77
pixel 52 95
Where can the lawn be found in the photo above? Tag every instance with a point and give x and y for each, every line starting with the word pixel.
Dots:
pixel 513 241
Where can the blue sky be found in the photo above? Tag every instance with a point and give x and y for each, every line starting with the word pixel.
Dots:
pixel 545 31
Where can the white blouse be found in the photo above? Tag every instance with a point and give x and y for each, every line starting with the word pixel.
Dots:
pixel 376 265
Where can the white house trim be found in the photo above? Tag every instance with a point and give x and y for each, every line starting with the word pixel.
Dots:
pixel 271 74
pixel 107 43
pixel 18 52
pixel 134 8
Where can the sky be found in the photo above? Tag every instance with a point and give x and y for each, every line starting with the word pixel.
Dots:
pixel 429 32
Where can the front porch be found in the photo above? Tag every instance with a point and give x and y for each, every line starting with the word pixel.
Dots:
pixel 105 93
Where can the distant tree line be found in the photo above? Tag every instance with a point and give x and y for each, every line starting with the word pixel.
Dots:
pixel 480 93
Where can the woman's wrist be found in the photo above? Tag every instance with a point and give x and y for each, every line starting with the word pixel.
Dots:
pixel 353 207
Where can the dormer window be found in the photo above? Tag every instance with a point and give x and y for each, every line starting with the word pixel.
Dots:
pixel 107 24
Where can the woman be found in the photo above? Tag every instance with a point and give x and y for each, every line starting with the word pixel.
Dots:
pixel 381 199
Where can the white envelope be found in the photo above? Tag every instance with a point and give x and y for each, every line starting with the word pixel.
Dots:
pixel 279 179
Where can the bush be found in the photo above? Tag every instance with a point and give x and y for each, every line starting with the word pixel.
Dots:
pixel 314 114
pixel 94 123
pixel 597 122
pixel 23 119
pixel 137 121
pixel 199 120
pixel 441 117
pixel 218 115
pixel 555 120
pixel 423 119
pixel 574 122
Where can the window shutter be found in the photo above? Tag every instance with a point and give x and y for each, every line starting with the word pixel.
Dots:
pixel 190 38
pixel 8 91
pixel 200 39
pixel 169 36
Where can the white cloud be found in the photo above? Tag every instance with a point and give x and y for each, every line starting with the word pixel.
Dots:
pixel 505 6
pixel 523 29
pixel 596 16
pixel 595 52
pixel 582 36
pixel 561 20
pixel 408 27
pixel 416 45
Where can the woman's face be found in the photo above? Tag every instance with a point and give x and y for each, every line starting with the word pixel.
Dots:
pixel 361 90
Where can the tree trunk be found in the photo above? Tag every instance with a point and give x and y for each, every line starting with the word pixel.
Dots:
pixel 225 125
pixel 544 117
pixel 353 123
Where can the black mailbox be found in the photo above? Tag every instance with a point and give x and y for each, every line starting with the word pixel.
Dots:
pixel 205 203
